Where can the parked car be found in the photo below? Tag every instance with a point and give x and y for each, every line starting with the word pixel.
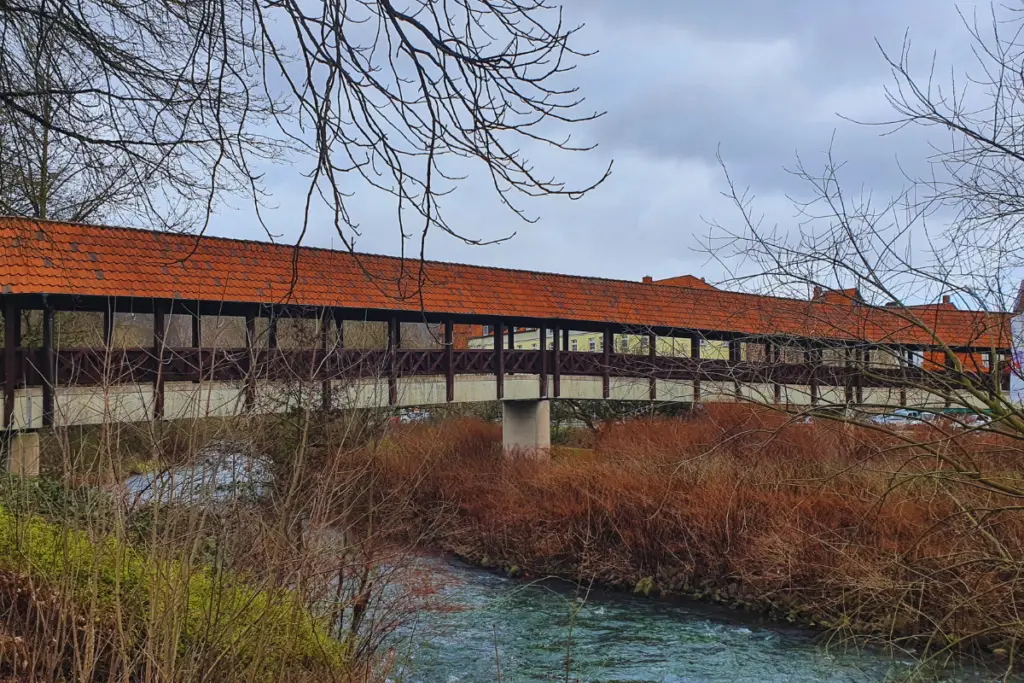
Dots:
pixel 411 415
pixel 901 417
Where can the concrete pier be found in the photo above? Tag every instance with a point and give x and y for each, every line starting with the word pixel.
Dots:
pixel 526 427
pixel 23 454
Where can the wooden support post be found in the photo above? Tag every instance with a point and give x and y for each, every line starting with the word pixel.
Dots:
pixel 695 355
pixel 995 374
pixel 556 361
pixel 159 337
pixel 325 364
pixel 908 368
pixel 848 389
pixel 449 360
pixel 652 355
pixel 250 376
pixel 774 357
pixel 499 358
pixel 565 339
pixel 339 329
pixel 12 334
pixel 606 363
pixel 197 340
pixel 108 324
pixel 735 356
pixel 543 336
pixel 865 364
pixel 511 337
pixel 393 342
pixel 272 330
pixel 49 367
pixel 810 360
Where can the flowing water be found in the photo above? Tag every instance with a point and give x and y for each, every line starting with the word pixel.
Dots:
pixel 529 631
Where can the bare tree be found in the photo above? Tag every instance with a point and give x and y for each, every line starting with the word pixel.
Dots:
pixel 187 101
pixel 947 248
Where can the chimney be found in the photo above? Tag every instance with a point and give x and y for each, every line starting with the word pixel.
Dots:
pixel 648 279
pixel 945 298
pixel 817 292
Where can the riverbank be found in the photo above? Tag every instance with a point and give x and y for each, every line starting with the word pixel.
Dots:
pixel 813 524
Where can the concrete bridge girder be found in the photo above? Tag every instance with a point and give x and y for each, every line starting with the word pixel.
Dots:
pixel 523 403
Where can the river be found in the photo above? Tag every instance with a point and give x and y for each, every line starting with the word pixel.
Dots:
pixel 522 630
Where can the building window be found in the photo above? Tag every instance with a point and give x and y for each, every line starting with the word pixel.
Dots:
pixel 534 344
pixel 575 344
pixel 593 344
pixel 985 360
pixel 624 344
pixel 551 344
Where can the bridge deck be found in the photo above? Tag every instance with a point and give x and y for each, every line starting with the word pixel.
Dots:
pixel 99 385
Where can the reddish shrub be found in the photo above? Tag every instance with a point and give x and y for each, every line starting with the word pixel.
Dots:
pixel 820 522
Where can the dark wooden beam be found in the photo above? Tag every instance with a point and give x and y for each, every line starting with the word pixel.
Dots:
pixel 12 332
pixel 108 324
pixel 863 362
pixel 556 370
pixel 812 359
pixel 499 358
pixel 159 339
pixel 325 345
pixel 511 337
pixel 272 331
pixel 994 374
pixel 250 375
pixel 773 354
pixel 543 337
pixel 394 340
pixel 652 355
pixel 565 339
pixel 695 355
pixel 197 337
pixel 48 371
pixel 606 363
pixel 449 361
pixel 848 387
pixel 339 326
pixel 736 356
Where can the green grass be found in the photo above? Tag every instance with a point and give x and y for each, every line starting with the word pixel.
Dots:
pixel 215 617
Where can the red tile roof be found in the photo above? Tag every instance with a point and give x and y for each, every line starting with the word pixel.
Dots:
pixel 62 258
pixel 684 281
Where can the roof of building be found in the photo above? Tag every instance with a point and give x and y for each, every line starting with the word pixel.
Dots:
pixel 684 281
pixel 66 258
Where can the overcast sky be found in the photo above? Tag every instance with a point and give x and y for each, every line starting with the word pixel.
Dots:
pixel 761 80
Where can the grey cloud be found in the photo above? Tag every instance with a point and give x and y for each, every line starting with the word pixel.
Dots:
pixel 762 80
